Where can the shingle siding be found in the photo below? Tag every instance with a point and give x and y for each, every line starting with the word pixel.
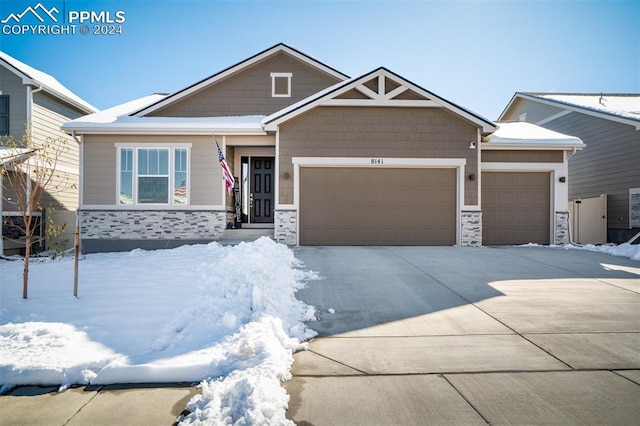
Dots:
pixel 249 92
pixel 377 132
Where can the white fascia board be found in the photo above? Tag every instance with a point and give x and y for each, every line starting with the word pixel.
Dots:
pixel 488 146
pixel 89 130
pixel 236 68
pixel 523 167
pixel 577 108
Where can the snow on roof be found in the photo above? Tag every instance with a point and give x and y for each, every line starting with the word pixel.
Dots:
pixel 118 120
pixel 49 83
pixel 527 134
pixel 110 115
pixel 623 105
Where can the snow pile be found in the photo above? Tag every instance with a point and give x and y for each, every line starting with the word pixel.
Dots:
pixel 632 251
pixel 223 314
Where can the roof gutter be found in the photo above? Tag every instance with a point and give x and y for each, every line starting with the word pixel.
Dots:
pixel 531 146
pixel 156 131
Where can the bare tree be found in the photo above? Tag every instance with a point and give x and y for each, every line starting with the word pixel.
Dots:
pixel 30 181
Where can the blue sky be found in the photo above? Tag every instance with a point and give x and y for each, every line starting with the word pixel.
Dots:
pixel 474 53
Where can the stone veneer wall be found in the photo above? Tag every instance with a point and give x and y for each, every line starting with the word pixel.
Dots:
pixel 286 227
pixel 471 228
pixel 152 224
pixel 562 228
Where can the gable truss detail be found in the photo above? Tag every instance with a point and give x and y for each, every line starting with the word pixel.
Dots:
pixel 379 96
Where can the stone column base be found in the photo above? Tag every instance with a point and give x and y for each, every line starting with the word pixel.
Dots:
pixel 562 228
pixel 286 227
pixel 471 229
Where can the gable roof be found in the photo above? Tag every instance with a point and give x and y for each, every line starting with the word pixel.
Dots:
pixel 36 77
pixel 379 96
pixel 624 108
pixel 117 120
pixel 281 47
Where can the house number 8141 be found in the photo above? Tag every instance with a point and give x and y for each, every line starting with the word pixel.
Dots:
pixel 377 161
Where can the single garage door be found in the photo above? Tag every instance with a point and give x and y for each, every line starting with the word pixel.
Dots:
pixel 515 208
pixel 377 206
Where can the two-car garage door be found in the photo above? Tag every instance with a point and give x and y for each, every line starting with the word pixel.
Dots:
pixel 377 206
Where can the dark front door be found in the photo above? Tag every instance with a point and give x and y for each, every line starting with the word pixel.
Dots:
pixel 261 196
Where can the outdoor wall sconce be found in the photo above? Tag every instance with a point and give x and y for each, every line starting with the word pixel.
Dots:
pixel 472 176
pixel 562 179
pixel 286 175
pixel 472 145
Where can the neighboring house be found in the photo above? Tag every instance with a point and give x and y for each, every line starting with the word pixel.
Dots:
pixel 609 125
pixel 321 158
pixel 31 98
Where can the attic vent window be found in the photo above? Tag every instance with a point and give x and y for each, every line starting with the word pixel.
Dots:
pixel 281 84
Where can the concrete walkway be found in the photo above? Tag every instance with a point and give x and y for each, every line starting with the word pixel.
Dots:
pixel 447 335
pixel 114 405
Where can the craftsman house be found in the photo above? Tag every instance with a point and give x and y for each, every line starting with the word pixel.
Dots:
pixel 604 189
pixel 30 98
pixel 321 158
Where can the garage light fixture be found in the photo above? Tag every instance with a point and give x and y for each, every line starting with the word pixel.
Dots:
pixel 562 179
pixel 472 145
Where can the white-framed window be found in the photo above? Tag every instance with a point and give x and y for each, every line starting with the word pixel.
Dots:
pixel 281 84
pixel 153 174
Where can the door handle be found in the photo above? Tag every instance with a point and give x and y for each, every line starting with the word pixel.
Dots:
pixel 250 199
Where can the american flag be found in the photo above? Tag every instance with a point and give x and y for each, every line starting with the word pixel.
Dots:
pixel 226 172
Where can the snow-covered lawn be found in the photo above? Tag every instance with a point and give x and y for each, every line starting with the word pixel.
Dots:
pixel 223 315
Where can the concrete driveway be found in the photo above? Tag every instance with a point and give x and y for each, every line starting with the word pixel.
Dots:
pixel 449 335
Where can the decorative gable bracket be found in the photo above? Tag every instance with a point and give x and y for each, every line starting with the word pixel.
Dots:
pixel 381 91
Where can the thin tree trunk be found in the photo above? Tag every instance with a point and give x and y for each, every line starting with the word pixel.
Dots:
pixel 25 273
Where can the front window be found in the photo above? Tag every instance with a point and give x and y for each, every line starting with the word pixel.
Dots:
pixel 153 175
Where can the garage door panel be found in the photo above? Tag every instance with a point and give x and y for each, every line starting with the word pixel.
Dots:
pixel 378 206
pixel 515 207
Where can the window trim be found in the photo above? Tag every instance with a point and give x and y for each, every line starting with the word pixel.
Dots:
pixel 274 77
pixel 135 147
pixel 8 115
